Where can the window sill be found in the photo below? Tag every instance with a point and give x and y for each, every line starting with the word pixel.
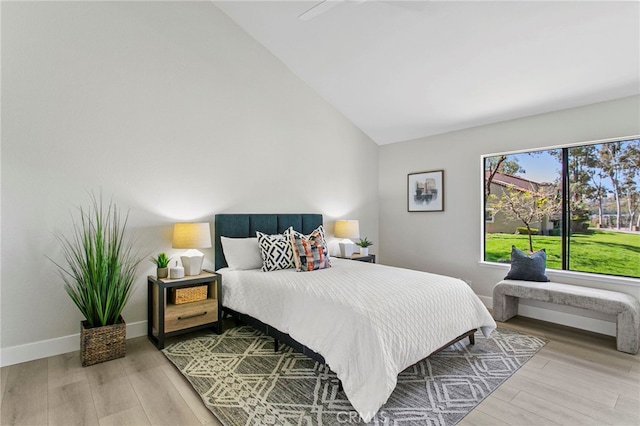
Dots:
pixel 557 275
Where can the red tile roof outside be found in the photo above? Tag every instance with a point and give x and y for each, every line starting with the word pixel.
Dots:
pixel 514 181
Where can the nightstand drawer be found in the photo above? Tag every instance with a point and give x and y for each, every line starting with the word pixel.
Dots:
pixel 179 317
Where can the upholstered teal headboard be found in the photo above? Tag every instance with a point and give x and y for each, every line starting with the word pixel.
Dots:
pixel 246 225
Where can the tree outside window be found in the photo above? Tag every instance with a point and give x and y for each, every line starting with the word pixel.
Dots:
pixel 599 187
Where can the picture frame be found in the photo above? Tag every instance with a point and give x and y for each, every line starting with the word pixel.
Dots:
pixel 425 191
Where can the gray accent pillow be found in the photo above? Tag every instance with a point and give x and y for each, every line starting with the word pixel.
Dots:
pixel 526 267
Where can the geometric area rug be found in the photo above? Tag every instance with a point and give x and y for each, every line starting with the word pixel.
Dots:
pixel 243 382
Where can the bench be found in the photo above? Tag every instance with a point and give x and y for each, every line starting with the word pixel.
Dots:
pixel 627 308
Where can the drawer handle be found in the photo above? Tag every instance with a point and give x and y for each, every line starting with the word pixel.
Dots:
pixel 193 316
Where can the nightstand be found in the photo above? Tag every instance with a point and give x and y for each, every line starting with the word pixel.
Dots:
pixel 371 258
pixel 166 319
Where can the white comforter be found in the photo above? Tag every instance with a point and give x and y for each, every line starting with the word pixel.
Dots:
pixel 368 321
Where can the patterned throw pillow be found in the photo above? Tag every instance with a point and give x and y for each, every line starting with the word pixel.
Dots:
pixel 526 267
pixel 276 251
pixel 310 251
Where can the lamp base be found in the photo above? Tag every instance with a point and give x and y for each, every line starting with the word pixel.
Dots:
pixel 192 262
pixel 346 249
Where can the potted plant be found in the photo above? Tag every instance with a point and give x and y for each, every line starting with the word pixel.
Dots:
pixel 162 264
pixel 364 246
pixel 98 272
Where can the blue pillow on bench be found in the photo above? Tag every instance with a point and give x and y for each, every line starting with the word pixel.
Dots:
pixel 526 267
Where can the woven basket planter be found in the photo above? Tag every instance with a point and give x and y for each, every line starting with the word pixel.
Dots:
pixel 100 344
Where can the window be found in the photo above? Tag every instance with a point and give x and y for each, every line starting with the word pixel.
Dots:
pixel 580 203
pixel 488 215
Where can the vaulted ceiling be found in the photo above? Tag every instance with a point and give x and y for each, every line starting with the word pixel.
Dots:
pixel 401 70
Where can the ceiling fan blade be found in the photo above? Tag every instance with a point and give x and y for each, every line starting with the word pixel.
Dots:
pixel 318 9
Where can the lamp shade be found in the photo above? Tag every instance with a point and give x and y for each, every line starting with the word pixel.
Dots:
pixel 347 229
pixel 191 235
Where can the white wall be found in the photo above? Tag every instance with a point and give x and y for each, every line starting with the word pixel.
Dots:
pixel 449 242
pixel 178 114
pixel 175 112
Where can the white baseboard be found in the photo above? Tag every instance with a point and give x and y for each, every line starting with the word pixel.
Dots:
pixel 488 301
pixel 57 346
pixel 61 345
pixel 563 318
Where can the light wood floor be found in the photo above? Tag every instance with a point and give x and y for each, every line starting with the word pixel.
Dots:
pixel 578 378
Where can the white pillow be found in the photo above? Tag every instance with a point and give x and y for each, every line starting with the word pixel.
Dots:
pixel 241 253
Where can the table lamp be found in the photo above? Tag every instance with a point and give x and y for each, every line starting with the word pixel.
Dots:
pixel 347 229
pixel 192 236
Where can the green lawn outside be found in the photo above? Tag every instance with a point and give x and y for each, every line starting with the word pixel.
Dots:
pixel 598 251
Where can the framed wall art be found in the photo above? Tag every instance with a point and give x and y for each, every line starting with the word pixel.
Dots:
pixel 425 191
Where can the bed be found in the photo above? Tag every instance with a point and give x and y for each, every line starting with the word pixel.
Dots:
pixel 367 322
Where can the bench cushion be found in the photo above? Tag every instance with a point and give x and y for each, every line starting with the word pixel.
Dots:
pixel 607 301
pixel 626 307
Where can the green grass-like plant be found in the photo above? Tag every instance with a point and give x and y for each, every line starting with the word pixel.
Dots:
pixel 161 260
pixel 364 242
pixel 99 263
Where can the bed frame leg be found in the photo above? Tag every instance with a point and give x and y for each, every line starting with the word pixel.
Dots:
pixel 276 343
pixel 472 339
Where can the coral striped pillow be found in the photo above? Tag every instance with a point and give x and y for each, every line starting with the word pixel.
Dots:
pixel 310 251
